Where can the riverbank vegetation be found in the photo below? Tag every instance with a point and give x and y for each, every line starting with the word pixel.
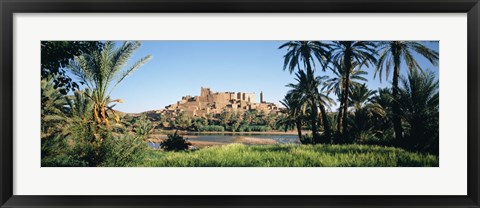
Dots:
pixel 391 126
pixel 228 120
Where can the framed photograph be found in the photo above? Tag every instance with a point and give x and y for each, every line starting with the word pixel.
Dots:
pixel 237 103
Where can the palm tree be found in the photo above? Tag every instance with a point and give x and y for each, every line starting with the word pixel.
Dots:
pixel 294 113
pixel 337 85
pixel 418 99
pixel 382 123
pixel 364 111
pixel 101 71
pixel 303 54
pixel 363 100
pixel 395 52
pixel 361 96
pixel 80 105
pixel 80 126
pixel 306 91
pixel 347 52
pixel 384 99
pixel 53 108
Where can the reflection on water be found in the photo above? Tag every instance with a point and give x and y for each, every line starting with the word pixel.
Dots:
pixel 232 138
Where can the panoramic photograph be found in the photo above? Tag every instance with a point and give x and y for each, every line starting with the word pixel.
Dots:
pixel 307 103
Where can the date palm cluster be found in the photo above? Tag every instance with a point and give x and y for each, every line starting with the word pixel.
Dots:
pixel 404 115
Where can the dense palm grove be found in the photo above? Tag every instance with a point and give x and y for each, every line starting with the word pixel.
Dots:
pixel 80 126
pixel 405 115
pixel 77 129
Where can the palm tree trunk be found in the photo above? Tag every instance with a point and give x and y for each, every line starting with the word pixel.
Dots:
pixel 397 122
pixel 347 64
pixel 314 107
pixel 326 125
pixel 313 120
pixel 299 129
pixel 340 117
pixel 345 108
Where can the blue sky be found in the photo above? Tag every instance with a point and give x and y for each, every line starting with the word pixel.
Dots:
pixel 180 68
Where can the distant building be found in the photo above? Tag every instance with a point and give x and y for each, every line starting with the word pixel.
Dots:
pixel 215 102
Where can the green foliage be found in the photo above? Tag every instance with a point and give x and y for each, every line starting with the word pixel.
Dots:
pixel 56 56
pixel 225 118
pixel 124 151
pixel 391 54
pixel 211 128
pixel 238 155
pixel 182 121
pixel 75 129
pixel 101 71
pixel 376 137
pixel 228 120
pixel 249 116
pixel 419 103
pixel 80 149
pixel 306 93
pixel 301 54
pixel 76 148
pixel 259 128
pixel 198 123
pixel 364 116
pixel 294 112
pixel 244 128
pixel 52 108
pixel 365 113
pixel 346 56
pixel 81 138
pixel 175 142
pixel 235 121
pixel 71 145
pixel 143 127
pixel 336 84
pixel 56 152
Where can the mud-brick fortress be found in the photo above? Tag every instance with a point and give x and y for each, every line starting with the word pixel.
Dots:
pixel 215 102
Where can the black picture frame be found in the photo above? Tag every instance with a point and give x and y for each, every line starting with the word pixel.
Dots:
pixel 9 7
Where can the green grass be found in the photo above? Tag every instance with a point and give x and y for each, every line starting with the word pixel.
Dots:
pixel 288 155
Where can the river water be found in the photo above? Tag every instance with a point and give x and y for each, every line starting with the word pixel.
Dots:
pixel 233 138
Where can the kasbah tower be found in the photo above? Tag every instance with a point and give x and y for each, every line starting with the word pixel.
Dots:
pixel 210 102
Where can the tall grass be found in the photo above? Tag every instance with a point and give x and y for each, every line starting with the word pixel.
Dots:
pixel 288 155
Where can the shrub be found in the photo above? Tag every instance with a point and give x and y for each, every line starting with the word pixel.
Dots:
pixel 174 142
pixel 81 148
pixel 243 128
pixel 259 128
pixel 198 123
pixel 55 153
pixel 211 128
pixel 143 127
pixel 119 128
pixel 182 121
pixel 383 138
pixel 62 160
pixel 366 137
pixel 124 151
